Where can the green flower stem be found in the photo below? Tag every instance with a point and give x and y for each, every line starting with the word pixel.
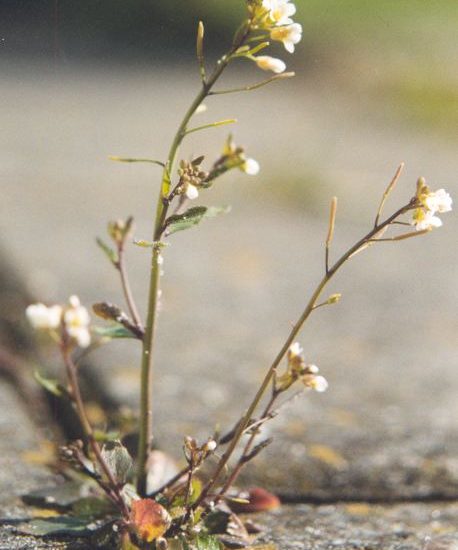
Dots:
pixel 289 341
pixel 146 412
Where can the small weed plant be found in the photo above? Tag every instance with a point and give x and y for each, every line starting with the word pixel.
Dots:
pixel 118 491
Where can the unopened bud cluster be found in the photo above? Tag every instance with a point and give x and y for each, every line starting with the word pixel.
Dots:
pixel 191 178
pixel 119 230
pixel 195 454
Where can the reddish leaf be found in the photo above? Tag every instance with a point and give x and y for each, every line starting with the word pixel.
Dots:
pixel 150 519
pixel 259 500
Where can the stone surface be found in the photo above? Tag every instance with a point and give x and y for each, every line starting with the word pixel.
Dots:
pixel 18 437
pixel 386 428
pixel 361 526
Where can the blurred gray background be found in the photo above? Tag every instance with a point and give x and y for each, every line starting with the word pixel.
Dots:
pixel 376 85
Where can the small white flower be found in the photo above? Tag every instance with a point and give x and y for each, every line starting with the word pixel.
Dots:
pixel 77 320
pixel 251 167
pixel 290 35
pixel 438 201
pixel 74 301
pixel 191 191
pixel 267 63
pixel 424 221
pixel 160 259
pixel 312 369
pixel 319 384
pixel 210 446
pixel 82 337
pixel 295 350
pixel 280 11
pixel 42 317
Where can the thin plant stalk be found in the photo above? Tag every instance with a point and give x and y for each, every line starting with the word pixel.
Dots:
pixel 112 490
pixel 242 460
pixel 146 412
pixel 131 305
pixel 311 305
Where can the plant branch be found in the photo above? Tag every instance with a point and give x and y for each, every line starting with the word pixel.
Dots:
pixel 88 431
pixel 289 341
pixel 121 267
pixel 129 160
pixel 246 451
pixel 254 86
pixel 211 125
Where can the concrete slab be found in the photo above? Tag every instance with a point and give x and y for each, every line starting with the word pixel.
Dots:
pixel 386 428
pixel 360 526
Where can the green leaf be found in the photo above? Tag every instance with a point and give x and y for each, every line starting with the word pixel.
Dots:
pixel 59 496
pixel 63 525
pixel 118 460
pixel 49 384
pixel 191 217
pixel 115 331
pixel 92 507
pixel 196 489
pixel 109 252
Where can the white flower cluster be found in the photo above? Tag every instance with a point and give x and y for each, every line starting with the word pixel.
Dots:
pixel 274 16
pixel 73 318
pixel 308 373
pixel 432 203
pixel 299 370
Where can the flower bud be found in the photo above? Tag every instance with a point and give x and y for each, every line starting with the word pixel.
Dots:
pixel 334 298
pixel 267 63
pixel 210 446
pixel 251 167
pixel 319 384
